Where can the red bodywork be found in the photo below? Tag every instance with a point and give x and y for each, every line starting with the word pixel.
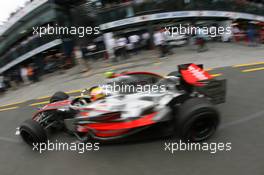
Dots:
pixel 106 127
pixel 112 129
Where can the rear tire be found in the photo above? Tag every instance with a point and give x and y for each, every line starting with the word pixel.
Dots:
pixel 59 96
pixel 32 132
pixel 197 120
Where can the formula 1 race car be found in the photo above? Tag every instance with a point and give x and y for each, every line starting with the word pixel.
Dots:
pixel 181 103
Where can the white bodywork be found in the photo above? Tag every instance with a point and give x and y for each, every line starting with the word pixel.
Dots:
pixel 132 105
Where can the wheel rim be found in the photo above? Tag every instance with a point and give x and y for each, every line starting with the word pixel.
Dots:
pixel 203 127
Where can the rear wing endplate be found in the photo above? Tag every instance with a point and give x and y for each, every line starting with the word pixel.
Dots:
pixel 214 89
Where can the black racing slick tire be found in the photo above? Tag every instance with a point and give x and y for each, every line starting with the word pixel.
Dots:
pixel 59 96
pixel 197 120
pixel 32 132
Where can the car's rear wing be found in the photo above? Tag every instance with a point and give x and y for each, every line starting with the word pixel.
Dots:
pixel 214 89
pixel 193 74
pixel 195 78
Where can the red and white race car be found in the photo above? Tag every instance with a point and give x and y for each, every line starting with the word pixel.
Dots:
pixel 181 103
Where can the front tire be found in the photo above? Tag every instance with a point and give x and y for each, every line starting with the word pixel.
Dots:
pixel 32 132
pixel 197 120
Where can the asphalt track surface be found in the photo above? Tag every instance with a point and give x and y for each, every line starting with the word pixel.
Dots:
pixel 242 125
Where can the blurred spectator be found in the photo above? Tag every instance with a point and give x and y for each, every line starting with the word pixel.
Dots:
pixel 80 59
pixel 146 40
pixel 111 43
pixel 33 72
pixel 14 78
pixel 134 41
pixel 159 41
pixel 2 84
pixel 235 32
pixel 60 58
pixel 166 45
pixel 201 38
pixel 7 81
pixel 24 75
pixel 251 34
pixel 261 35
pixel 30 72
pixel 121 50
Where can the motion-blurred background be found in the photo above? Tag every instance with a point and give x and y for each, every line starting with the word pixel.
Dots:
pixel 128 28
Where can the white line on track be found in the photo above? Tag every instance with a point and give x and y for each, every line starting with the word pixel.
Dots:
pixel 243 120
pixel 5 139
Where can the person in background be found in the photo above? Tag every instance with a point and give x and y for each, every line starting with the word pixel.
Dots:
pixel 7 81
pixel 236 33
pixel 159 41
pixel 121 44
pixel 61 61
pixel 24 75
pixel 251 33
pixel 257 37
pixel 146 40
pixel 33 69
pixel 166 46
pixel 261 35
pixel 30 72
pixel 201 40
pixel 111 54
pixel 79 59
pixel 14 78
pixel 134 41
pixel 2 84
pixel 129 48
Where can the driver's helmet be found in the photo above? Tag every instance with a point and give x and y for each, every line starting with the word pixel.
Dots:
pixel 109 74
pixel 97 93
